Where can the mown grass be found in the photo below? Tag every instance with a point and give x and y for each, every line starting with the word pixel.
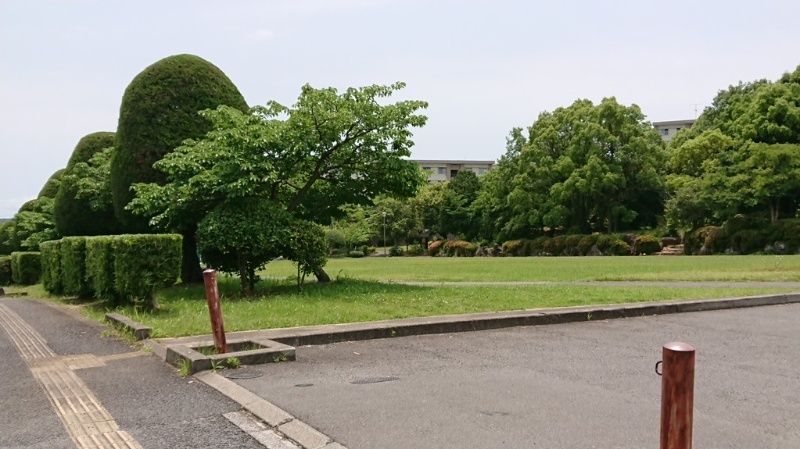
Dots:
pixel 183 311
pixel 645 268
pixel 356 295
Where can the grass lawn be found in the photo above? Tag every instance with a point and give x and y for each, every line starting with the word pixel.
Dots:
pixel 645 268
pixel 356 296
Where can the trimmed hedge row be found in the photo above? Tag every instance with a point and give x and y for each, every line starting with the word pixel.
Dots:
pixel 51 266
pixel 5 270
pixel 26 267
pixel 127 268
pixel 744 235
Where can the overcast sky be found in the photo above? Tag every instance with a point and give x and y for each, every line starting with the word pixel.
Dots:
pixel 484 66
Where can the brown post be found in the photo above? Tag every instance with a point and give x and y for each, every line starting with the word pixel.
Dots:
pixel 677 395
pixel 214 309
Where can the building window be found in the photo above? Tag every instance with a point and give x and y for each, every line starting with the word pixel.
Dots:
pixel 441 170
pixel 481 171
pixel 665 131
pixel 426 168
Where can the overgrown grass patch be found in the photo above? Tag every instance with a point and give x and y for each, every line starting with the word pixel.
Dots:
pixel 634 268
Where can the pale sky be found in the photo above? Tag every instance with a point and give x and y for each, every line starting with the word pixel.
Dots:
pixel 484 66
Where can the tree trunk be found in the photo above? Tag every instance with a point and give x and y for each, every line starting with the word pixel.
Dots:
pixel 191 273
pixel 321 275
pixel 774 210
pixel 153 303
pixel 243 274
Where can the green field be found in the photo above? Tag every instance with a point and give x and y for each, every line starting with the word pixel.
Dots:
pixel 645 268
pixel 357 296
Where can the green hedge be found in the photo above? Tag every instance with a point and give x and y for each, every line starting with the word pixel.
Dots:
pixel 26 267
pixel 144 263
pixel 100 267
pixel 73 267
pixel 52 279
pixel 5 270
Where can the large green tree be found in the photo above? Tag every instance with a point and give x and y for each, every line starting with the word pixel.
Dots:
pixel 741 157
pixel 159 110
pixel 582 168
pixel 74 214
pixel 327 150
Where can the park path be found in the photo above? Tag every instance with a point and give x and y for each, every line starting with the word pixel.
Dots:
pixel 66 385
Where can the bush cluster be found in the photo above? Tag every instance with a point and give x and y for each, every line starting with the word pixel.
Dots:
pixel 745 235
pixel 115 268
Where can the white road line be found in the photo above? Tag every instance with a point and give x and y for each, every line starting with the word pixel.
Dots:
pixel 88 423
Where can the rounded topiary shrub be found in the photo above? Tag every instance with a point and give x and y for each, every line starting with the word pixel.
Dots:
pixel 646 244
pixel 357 254
pixel 159 111
pixel 74 216
pixel 435 247
pixel 586 243
pixel 50 188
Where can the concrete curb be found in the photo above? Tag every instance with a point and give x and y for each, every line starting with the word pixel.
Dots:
pixel 139 330
pixel 332 333
pixel 276 418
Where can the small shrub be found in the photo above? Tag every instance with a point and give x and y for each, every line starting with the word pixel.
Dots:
pixel 73 267
pixel 5 270
pixel 144 263
pixel 355 254
pixel 100 267
pixel 620 248
pixel 26 267
pixel 586 243
pixel 788 232
pixel 514 248
pixel 435 247
pixel 395 251
pixel 369 250
pixel 52 281
pixel 535 246
pixel 414 250
pixel 749 241
pixel 706 240
pixel 573 241
pixel 646 244
pixel 558 244
pixel 460 248
pixel 605 242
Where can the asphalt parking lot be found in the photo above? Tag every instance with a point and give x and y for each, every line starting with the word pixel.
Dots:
pixel 577 385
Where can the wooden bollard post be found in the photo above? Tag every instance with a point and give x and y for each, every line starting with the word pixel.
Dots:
pixel 677 395
pixel 214 309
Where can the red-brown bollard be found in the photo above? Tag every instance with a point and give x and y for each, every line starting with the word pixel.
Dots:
pixel 677 395
pixel 214 309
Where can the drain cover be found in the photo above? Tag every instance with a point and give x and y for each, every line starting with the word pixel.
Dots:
pixel 304 385
pixel 374 380
pixel 241 374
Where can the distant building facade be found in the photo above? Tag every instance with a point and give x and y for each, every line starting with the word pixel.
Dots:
pixel 445 170
pixel 669 129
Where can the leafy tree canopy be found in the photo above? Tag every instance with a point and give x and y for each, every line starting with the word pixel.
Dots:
pixel 327 150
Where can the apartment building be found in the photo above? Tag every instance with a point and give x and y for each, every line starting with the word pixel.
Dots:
pixel 670 128
pixel 445 170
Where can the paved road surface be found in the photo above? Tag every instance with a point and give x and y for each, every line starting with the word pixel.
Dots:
pixel 577 385
pixel 105 391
